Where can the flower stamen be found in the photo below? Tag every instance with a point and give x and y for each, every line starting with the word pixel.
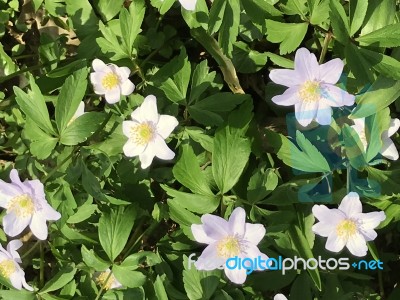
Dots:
pixel 102 280
pixel 110 81
pixel 346 228
pixel 310 91
pixel 21 205
pixel 228 247
pixel 143 133
pixel 7 267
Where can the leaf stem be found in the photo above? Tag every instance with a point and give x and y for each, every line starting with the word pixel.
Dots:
pixel 41 275
pixel 348 180
pixel 51 173
pixel 103 286
pixel 328 37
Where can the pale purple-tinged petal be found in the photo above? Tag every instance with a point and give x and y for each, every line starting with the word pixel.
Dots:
pixel 330 71
pixel 25 285
pixel 359 124
pixel 136 115
pixel 394 125
pixel 146 157
pixel 36 188
pixel 289 97
pixel 127 88
pixel 335 96
pixel 286 77
pixel 324 214
pixel 254 233
pixel 200 235
pixel 357 245
pixel 389 150
pixel 7 192
pixel 215 227
pixel 127 127
pixel 99 89
pixel 49 213
pixel 15 177
pixel 12 248
pixel 161 149
pixel 323 229
pixel 14 225
pixel 324 114
pixel 306 64
pixel 209 259
pixel 188 4
pixel 96 78
pixel 305 112
pixel 237 222
pixel 334 243
pixel 166 124
pixel 38 226
pixel 351 204
pixel 369 235
pixel 123 73
pixel 252 251
pixel 148 109
pixel 236 276
pixel 16 281
pixel 370 220
pixel 98 65
pixel 113 96
pixel 132 149
pixel 280 297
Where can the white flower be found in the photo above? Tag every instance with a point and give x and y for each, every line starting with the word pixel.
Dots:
pixel 9 265
pixel 187 4
pixel 347 225
pixel 280 297
pixel 79 112
pixel 26 204
pixel 388 148
pixel 311 88
pixel 147 131
pixel 111 81
pixel 112 282
pixel 227 239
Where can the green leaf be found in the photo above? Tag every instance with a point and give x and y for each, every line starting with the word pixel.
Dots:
pixel 109 9
pixel 159 289
pixel 201 204
pixel 387 36
pixel 375 125
pixel 114 230
pixel 199 284
pixel 260 10
pixel 281 61
pixel 301 288
pixel 81 128
pixel 247 60
pixel 17 294
pixel 127 277
pixel 83 213
pixel 187 171
pixel 230 155
pixel 135 260
pixel 308 159
pixel 58 281
pixel 358 10
pixel 381 94
pixel 202 79
pixel 82 17
pixel 229 27
pixel 221 102
pixel 261 184
pixel 379 14
pixel 91 259
pixel 110 44
pixel 131 22
pixel 181 215
pixel 339 22
pixel 216 16
pixel 360 67
pixel 71 94
pixel 319 11
pixel 42 145
pixel 34 106
pixel 198 135
pixel 354 148
pixel 6 63
pixel 303 248
pixel 289 35
pixel 386 65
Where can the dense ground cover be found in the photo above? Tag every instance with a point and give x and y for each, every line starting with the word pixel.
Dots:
pixel 148 147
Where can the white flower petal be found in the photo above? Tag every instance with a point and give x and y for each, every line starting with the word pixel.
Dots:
pixel 323 229
pixel 15 177
pixel 123 73
pixel 280 297
pixel 113 96
pixel 330 71
pixel 237 221
pixel 370 220
pixel 162 151
pixel 209 259
pixel 305 112
pixel 98 65
pixel 306 64
pixel 200 235
pixel 95 78
pixel 324 114
pixel 254 233
pixel 336 97
pixel 236 276
pixel 357 245
pixel 286 77
pixel 25 285
pixel 334 243
pixel 14 225
pixel 12 248
pixel 188 4
pixel 359 125
pixel 16 281
pixel 136 115
pixel 127 127
pixel 49 213
pixel 215 227
pixel 148 109
pixel 351 204
pixel 252 251
pixel 389 150
pixel 146 157
pixel 332 216
pixel 38 226
pixel 127 88
pixel 369 235
pixel 132 149
pixel 289 97
pixel 393 126
pixel 166 124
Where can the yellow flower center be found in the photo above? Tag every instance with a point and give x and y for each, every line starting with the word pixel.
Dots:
pixel 143 133
pixel 228 247
pixel 7 267
pixel 346 228
pixel 110 81
pixel 310 91
pixel 101 280
pixel 21 205
pixel 363 138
